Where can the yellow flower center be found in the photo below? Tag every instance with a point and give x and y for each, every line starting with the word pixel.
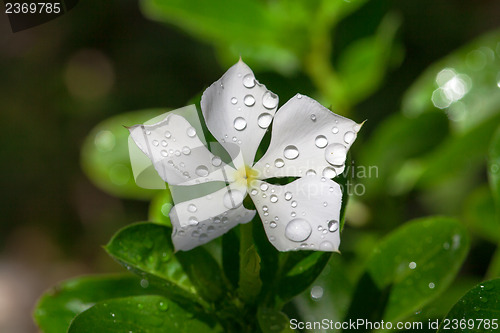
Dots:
pixel 245 175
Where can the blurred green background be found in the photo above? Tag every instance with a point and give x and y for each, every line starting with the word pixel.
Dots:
pixel 428 130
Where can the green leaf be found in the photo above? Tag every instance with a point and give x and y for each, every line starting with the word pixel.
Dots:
pixel 480 215
pixel 299 270
pixel 494 169
pixel 204 273
pixel 479 308
pixel 105 155
pixel 273 321
pixel 59 305
pixel 362 65
pixel 416 263
pixel 146 249
pixel 230 256
pixel 250 285
pixel 463 85
pixel 141 314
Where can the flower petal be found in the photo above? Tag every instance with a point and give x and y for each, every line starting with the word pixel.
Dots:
pixel 178 155
pixel 302 215
pixel 200 220
pixel 239 109
pixel 307 139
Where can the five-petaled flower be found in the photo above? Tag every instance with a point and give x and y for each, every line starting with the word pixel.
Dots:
pixel 308 141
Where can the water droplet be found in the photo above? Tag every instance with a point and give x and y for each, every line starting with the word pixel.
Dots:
pixel 168 135
pixel 274 198
pixel 356 128
pixel 310 172
pixel 186 150
pixel 299 96
pixel 412 265
pixel 298 230
pixel 335 154
pixel 291 152
pixel 164 153
pixel 273 225
pixel 249 100
pixel 294 204
pixel 321 141
pixel 144 283
pixel 333 225
pixel 234 100
pixel 164 143
pixel 155 143
pixel 335 130
pixel 177 153
pixel 148 132
pixel 326 246
pixel 265 208
pixel 432 285
pixel 232 199
pixel 313 117
pixel 349 137
pixel 163 306
pixel 240 123
pixel 192 208
pixel 264 120
pixel 316 292
pixel 254 192
pixel 264 186
pixel 193 220
pixel 288 196
pixel 329 172
pixel 269 100
pixel 249 81
pixel 191 132
pixel 201 171
pixel 279 163
pixel 325 204
pixel 216 219
pixel 293 214
pixel 271 238
pixel 216 161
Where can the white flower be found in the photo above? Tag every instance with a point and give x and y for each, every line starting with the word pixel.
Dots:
pixel 307 141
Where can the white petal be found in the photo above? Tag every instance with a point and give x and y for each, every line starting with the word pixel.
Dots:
pixel 307 139
pixel 302 215
pixel 178 155
pixel 200 220
pixel 239 109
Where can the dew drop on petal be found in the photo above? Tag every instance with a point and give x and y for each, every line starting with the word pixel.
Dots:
pixel 264 186
pixel 249 81
pixel 232 199
pixel 164 143
pixel 310 172
pixel 265 208
pixel 216 161
pixel 254 192
pixel 279 163
pixel 349 137
pixel 298 230
pixel 191 132
pixel 186 150
pixel 249 100
pixel 193 221
pixel 201 171
pixel 168 135
pixel 294 204
pixel 192 208
pixel 291 152
pixel 269 100
pixel 288 196
pixel 326 246
pixel 264 120
pixel 335 154
pixel 299 96
pixel 313 117
pixel 321 141
pixel 335 130
pixel 273 225
pixel 164 153
pixel 234 100
pixel 240 123
pixel 333 225
pixel 274 198
pixel 155 143
pixel 329 172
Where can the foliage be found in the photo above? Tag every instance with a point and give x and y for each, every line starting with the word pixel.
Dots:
pixel 431 160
